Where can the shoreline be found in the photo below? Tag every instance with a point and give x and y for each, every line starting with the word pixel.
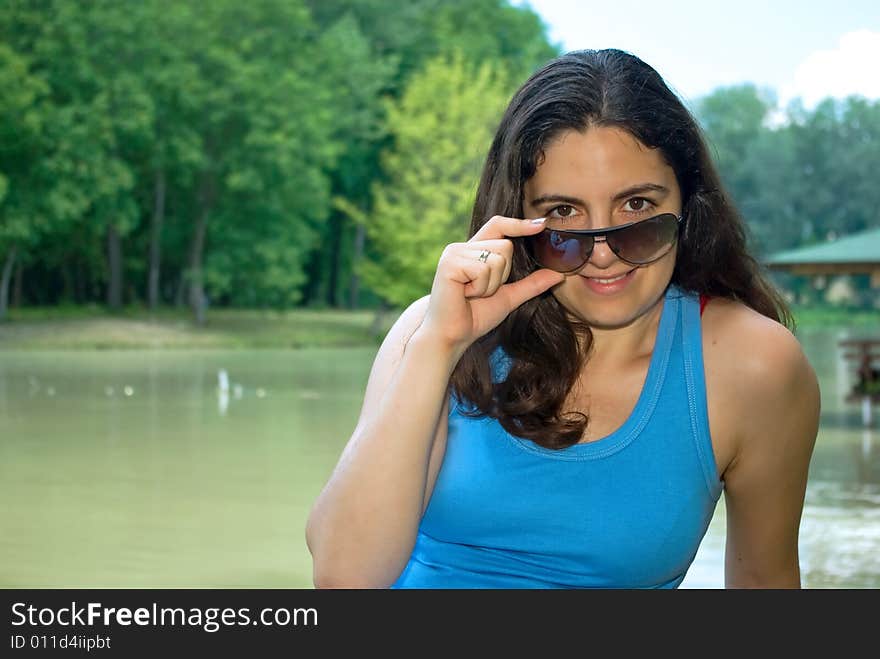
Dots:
pixel 92 328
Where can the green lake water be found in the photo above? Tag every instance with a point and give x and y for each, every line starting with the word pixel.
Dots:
pixel 130 468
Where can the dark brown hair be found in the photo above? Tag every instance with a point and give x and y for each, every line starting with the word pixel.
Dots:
pixel 546 350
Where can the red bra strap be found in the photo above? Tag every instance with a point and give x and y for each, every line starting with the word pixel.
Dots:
pixel 703 300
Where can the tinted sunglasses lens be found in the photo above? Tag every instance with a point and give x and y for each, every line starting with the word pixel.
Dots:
pixel 645 241
pixel 561 251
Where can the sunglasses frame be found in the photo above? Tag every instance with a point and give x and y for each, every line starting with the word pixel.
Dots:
pixel 604 232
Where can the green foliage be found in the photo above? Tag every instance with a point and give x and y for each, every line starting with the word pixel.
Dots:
pixel 221 100
pixel 442 128
pixel 22 117
pixel 207 139
pixel 491 31
pixel 356 78
pixel 267 143
pixel 416 31
pixel 379 50
pixel 806 177
pixel 249 147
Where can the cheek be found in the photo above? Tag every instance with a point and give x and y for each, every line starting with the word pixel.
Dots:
pixel 566 292
pixel 668 264
pixel 660 275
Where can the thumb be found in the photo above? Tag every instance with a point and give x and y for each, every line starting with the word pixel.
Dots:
pixel 528 287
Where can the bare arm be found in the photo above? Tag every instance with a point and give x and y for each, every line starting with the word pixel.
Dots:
pixel 363 526
pixel 766 482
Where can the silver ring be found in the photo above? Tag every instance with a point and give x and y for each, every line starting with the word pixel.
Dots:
pixel 484 255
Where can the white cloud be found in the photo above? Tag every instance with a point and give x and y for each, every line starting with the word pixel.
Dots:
pixel 849 69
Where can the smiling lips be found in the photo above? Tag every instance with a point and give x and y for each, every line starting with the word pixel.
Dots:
pixel 609 280
pixel 609 285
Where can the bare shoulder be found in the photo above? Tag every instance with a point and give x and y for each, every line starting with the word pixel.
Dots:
pixel 765 387
pixel 757 352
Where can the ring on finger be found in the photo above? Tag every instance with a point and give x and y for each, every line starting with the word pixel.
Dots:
pixel 484 255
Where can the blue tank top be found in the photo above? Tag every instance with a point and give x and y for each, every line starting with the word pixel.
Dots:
pixel 628 510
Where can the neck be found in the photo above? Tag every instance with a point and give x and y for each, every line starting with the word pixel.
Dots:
pixel 633 341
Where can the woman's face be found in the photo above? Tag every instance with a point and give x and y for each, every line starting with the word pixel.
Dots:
pixel 604 177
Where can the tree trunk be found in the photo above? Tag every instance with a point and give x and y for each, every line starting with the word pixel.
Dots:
pixel 156 240
pixel 114 261
pixel 181 295
pixel 355 285
pixel 314 271
pixel 4 280
pixel 17 284
pixel 196 283
pixel 337 228
pixel 80 290
pixel 68 282
pixel 196 254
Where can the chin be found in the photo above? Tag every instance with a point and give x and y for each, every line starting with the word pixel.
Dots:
pixel 607 321
pixel 611 313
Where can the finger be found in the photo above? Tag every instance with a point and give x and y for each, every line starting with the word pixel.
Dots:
pixel 479 286
pixel 531 286
pixel 500 226
pixel 473 273
pixel 503 249
pixel 500 264
pixel 483 255
pixel 502 246
pixel 508 264
pixel 499 267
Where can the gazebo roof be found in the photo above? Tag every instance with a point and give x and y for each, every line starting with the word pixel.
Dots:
pixel 853 254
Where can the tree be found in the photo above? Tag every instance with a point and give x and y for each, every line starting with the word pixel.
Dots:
pixel 441 129
pixel 264 125
pixel 384 48
pixel 167 164
pixel 21 128
pixel 193 150
pixel 357 78
pixel 87 55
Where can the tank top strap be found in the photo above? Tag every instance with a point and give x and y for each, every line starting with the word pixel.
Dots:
pixel 692 344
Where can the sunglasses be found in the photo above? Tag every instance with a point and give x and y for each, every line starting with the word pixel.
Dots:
pixel 637 243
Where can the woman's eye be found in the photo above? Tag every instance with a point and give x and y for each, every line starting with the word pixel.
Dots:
pixel 638 204
pixel 563 211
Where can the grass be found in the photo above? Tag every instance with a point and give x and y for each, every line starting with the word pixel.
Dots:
pixel 834 317
pixel 92 327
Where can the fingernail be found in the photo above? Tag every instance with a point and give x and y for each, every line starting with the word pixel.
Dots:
pixel 539 220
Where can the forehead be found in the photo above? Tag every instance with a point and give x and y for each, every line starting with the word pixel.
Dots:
pixel 598 161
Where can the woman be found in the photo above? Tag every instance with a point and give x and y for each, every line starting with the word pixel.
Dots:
pixel 566 406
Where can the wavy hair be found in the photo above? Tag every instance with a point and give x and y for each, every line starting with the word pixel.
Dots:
pixel 547 350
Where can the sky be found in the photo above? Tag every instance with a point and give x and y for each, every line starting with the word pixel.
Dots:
pixel 804 49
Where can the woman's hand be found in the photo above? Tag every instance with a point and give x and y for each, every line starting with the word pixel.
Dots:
pixel 469 297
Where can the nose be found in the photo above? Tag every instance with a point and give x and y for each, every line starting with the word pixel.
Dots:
pixel 602 256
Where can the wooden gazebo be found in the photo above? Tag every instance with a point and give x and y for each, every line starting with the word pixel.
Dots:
pixel 855 254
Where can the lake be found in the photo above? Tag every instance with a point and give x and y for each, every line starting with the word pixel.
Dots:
pixel 132 468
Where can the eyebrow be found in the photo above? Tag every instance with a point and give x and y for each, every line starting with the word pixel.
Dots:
pixel 635 189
